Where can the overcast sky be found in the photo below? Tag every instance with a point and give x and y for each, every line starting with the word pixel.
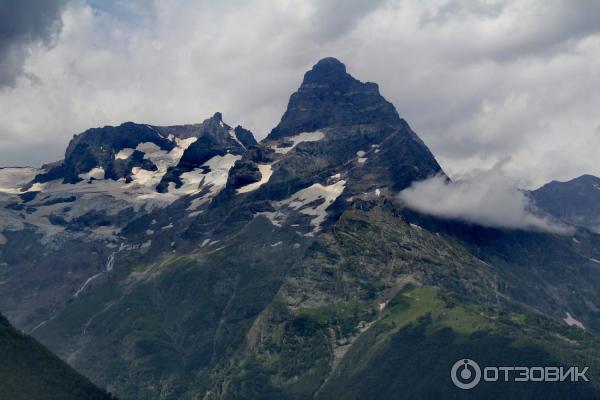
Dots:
pixel 484 83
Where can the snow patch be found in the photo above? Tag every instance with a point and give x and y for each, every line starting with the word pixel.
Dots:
pixel 265 174
pixel 573 322
pixel 181 146
pixel 144 177
pixel 303 201
pixel 234 137
pixel 12 179
pixel 36 187
pixel 161 158
pixel 124 154
pixel 302 137
pixel 214 180
pixel 417 227
pixel 95 173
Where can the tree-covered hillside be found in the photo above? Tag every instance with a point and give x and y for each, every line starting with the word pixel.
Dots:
pixel 29 371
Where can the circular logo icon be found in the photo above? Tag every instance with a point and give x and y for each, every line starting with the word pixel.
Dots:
pixel 465 374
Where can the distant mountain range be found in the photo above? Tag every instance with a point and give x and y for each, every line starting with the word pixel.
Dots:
pixel 192 262
pixel 576 202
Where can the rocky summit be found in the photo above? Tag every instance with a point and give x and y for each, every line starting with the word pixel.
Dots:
pixel 193 262
pixel 330 97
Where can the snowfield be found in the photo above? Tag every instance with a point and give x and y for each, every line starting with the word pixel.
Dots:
pixel 312 201
pixel 94 193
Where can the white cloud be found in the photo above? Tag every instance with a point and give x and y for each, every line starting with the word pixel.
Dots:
pixel 486 198
pixel 478 80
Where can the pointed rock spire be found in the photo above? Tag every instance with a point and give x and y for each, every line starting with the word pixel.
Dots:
pixel 328 97
pixel 217 117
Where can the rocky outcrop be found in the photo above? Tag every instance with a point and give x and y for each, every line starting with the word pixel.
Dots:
pixel 113 152
pixel 328 97
pixel 215 138
pixel 97 147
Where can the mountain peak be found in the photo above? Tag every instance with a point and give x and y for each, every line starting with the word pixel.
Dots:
pixel 218 117
pixel 587 178
pixel 327 69
pixel 329 96
pixel 583 180
pixel 330 63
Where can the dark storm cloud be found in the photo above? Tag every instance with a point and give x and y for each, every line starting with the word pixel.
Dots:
pixel 23 22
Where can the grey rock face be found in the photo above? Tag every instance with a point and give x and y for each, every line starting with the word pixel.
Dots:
pixel 244 136
pixel 329 96
pixel 364 139
pixel 98 146
pixel 244 173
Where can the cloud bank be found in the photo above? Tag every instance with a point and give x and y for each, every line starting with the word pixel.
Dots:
pixel 485 198
pixel 479 81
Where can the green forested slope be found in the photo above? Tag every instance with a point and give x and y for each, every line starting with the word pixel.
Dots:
pixel 28 371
